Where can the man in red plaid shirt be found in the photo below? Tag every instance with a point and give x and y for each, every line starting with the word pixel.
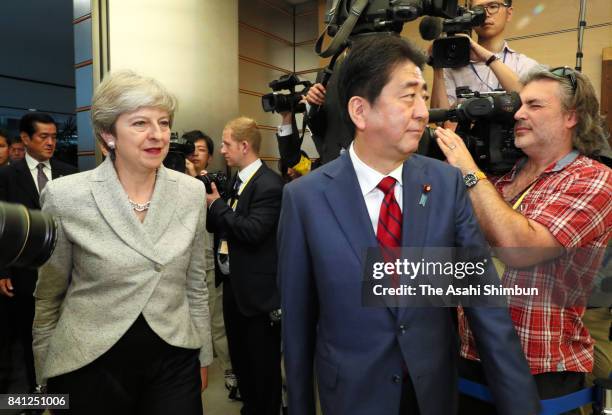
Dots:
pixel 554 199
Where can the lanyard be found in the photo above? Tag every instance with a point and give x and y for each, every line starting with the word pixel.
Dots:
pixel 520 199
pixel 482 80
pixel 500 267
pixel 234 200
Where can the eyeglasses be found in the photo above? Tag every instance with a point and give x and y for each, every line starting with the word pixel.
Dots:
pixel 492 8
pixel 567 73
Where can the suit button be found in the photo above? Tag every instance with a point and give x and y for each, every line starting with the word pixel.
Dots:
pixel 158 267
pixel 396 379
pixel 402 329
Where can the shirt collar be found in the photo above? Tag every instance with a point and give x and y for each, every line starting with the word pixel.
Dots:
pixel 564 162
pixel 249 170
pixel 369 178
pixel 506 47
pixel 553 167
pixel 33 163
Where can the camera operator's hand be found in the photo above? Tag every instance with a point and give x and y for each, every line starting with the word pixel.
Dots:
pixel 214 195
pixel 190 168
pixel 478 53
pixel 6 287
pixel 455 150
pixel 316 94
pixel 430 50
pixel 507 78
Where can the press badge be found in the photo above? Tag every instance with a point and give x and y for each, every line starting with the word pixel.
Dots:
pixel 223 250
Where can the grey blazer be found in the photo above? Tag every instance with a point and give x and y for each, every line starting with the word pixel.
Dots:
pixel 108 268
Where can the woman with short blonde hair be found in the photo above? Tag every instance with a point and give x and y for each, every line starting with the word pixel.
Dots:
pixel 122 320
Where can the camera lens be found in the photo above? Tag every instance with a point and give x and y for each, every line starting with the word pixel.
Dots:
pixel 27 237
pixel 206 180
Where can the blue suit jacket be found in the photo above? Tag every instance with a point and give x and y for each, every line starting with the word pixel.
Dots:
pixel 357 352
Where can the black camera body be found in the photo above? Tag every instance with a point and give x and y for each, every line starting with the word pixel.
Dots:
pixel 454 51
pixel 386 15
pixel 486 124
pixel 177 153
pixel 276 102
pixel 218 178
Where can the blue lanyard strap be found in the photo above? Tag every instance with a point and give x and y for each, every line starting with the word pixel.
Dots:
pixel 482 80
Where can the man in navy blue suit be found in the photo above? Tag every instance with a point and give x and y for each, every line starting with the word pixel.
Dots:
pixel 382 360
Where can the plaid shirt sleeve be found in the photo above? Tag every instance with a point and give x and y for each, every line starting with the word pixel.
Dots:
pixel 578 209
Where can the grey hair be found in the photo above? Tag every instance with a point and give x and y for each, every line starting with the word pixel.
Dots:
pixel 126 91
pixel 590 135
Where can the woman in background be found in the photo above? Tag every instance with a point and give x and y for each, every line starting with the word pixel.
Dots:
pixel 122 305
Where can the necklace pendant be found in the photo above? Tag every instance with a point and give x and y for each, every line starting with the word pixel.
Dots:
pixel 139 207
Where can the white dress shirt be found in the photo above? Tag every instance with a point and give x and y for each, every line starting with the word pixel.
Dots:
pixel 480 77
pixel 368 179
pixel 284 130
pixel 246 173
pixel 33 166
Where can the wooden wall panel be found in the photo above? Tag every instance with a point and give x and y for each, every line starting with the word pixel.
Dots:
pixel 250 106
pixel 306 28
pixel 606 88
pixel 264 15
pixel 307 8
pixel 305 58
pixel 553 15
pixel 264 49
pixel 560 49
pixel 267 51
pixel 269 146
pixel 254 77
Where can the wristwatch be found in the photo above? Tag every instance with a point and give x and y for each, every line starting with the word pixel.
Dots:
pixel 471 178
pixel 492 59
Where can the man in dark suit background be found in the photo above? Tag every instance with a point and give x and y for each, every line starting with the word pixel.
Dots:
pixel 382 360
pixel 331 132
pixel 21 182
pixel 246 224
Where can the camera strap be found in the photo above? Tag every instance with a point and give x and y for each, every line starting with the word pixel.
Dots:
pixel 339 41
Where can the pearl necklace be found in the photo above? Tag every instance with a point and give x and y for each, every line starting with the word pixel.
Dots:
pixel 139 207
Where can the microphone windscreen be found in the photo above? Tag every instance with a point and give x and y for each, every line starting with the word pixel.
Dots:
pixel 430 28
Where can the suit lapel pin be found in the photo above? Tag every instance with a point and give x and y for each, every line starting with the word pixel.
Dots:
pixel 424 194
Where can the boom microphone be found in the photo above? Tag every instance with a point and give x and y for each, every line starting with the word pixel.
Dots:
pixel 430 28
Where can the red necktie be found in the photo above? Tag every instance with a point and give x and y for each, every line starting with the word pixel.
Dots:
pixel 389 231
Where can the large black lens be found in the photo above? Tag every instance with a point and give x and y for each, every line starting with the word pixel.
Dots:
pixel 27 237
pixel 268 102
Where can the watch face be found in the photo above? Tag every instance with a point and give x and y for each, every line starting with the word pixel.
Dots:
pixel 470 179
